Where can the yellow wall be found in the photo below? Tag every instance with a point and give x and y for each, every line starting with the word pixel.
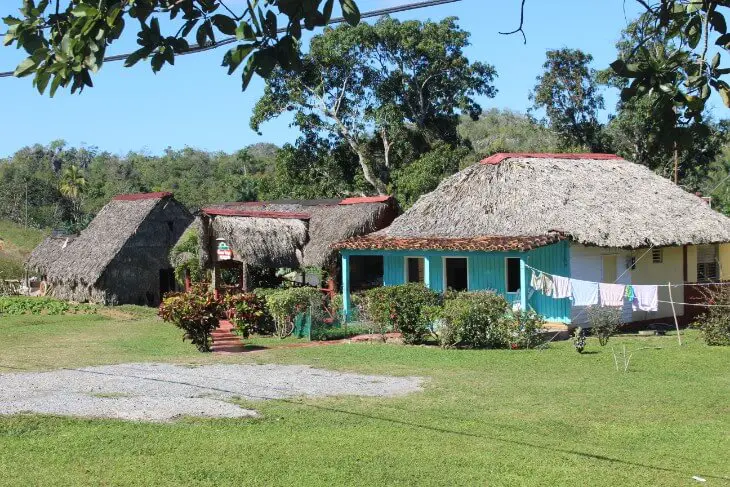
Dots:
pixel 670 270
pixel 724 262
pixel 691 263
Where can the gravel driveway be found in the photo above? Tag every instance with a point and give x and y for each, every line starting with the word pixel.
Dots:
pixel 161 392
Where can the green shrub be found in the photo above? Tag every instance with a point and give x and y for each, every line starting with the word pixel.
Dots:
pixel 714 325
pixel 249 314
pixel 284 304
pixel 476 320
pixel 24 305
pixel 525 329
pixel 196 313
pixel 604 322
pixel 337 333
pixel 399 308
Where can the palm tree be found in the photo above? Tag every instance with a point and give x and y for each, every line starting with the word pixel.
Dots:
pixel 72 186
pixel 73 183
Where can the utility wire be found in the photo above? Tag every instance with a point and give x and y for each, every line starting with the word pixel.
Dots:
pixel 195 48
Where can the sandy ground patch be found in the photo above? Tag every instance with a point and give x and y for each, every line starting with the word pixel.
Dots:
pixel 162 392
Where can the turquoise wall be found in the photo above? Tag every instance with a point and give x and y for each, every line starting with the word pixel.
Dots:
pixel 486 272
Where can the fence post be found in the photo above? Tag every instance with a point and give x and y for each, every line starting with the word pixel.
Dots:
pixel 674 313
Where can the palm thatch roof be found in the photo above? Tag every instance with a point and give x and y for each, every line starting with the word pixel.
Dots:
pixel 48 251
pixel 593 199
pixel 84 259
pixel 295 233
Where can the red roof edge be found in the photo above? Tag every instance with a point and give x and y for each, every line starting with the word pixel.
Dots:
pixel 501 156
pixel 365 199
pixel 142 196
pixel 256 214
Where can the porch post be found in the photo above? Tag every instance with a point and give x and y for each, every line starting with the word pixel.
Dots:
pixel 427 271
pixel 346 286
pixel 523 285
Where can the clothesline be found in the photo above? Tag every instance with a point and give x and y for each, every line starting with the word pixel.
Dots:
pixel 658 285
pixel 698 304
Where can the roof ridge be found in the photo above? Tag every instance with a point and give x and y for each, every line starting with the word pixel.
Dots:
pixel 597 156
pixel 142 196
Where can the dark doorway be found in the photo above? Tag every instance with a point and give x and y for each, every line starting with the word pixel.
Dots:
pixel 513 274
pixel 167 281
pixel 457 274
pixel 366 272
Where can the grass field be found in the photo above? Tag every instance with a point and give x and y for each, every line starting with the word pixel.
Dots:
pixel 17 243
pixel 549 417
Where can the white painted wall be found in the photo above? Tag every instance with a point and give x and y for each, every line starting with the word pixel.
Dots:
pixel 587 263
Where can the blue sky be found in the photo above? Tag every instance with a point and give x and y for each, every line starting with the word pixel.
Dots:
pixel 195 103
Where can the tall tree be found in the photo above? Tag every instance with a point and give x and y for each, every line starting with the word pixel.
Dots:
pixel 382 82
pixel 570 96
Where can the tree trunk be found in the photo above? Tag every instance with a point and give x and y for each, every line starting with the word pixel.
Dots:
pixel 368 173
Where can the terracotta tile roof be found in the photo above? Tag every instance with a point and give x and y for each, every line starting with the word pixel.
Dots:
pixel 501 156
pixel 485 243
pixel 365 199
pixel 256 214
pixel 142 196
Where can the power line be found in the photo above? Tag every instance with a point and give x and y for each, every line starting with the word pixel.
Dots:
pixel 195 48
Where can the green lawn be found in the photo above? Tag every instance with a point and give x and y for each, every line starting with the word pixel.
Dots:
pixel 17 243
pixel 548 417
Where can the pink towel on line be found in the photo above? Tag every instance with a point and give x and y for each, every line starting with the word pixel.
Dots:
pixel 611 294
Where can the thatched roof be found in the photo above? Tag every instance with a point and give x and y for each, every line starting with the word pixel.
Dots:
pixel 276 233
pixel 85 258
pixel 594 199
pixel 263 242
pixel 48 251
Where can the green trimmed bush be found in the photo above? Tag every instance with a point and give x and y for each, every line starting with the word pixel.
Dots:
pixel 475 320
pixel 400 309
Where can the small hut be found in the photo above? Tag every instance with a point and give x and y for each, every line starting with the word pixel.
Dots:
pixel 294 234
pixel 596 218
pixel 121 257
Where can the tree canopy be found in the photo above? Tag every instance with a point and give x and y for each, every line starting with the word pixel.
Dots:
pixel 568 92
pixel 376 86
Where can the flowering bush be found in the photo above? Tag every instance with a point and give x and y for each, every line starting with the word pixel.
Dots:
pixel 401 308
pixel 196 313
pixel 249 314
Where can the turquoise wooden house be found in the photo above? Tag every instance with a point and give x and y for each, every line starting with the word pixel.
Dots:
pixel 593 217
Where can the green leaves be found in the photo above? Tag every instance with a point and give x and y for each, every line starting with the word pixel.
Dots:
pixel 350 12
pixel 64 47
pixel 25 68
pixel 224 24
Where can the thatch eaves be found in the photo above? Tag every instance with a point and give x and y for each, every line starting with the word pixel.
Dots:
pixel 267 233
pixel 593 199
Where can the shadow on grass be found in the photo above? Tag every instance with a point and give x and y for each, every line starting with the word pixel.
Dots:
pixel 409 424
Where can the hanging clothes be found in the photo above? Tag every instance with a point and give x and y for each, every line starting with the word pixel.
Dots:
pixel 542 282
pixel 561 287
pixel 647 298
pixel 629 294
pixel 585 293
pixel 612 294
